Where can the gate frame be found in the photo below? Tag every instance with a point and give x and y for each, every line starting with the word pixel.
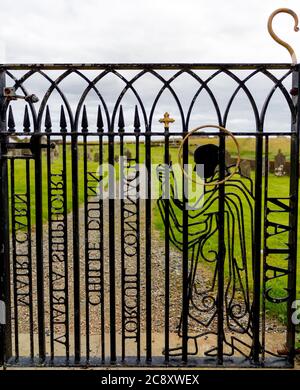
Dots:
pixel 5 330
pixel 293 220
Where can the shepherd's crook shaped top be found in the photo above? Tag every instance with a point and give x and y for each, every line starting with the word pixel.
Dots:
pixel 276 38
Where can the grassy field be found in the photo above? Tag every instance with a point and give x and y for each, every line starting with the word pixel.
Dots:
pixel 278 186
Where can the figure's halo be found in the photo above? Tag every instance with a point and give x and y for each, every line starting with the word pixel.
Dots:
pixel 227 132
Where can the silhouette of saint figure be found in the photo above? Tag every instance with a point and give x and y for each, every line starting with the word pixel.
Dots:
pixel 204 259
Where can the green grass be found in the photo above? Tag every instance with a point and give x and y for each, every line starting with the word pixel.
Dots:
pixel 56 167
pixel 279 186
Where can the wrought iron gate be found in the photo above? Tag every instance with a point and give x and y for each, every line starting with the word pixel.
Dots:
pixel 138 280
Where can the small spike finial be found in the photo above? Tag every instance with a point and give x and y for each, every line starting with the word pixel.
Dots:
pixel 11 120
pixel 84 121
pixel 26 121
pixel 48 123
pixel 62 120
pixel 121 123
pixel 137 123
pixel 99 120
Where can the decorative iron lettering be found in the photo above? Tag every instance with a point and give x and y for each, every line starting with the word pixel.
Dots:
pixel 93 250
pixel 21 248
pixel 130 248
pixel 274 254
pixel 58 261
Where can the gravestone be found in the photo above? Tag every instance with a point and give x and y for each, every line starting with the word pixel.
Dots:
pixel 245 168
pixel 90 154
pixel 128 154
pixel 279 164
pixel 56 151
pixel 227 158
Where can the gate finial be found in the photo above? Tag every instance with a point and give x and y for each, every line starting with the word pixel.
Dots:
pixel 276 38
pixel 166 120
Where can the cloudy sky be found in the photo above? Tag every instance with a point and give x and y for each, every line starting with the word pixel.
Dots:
pixel 144 31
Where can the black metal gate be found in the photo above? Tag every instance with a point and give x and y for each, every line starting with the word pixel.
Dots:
pixel 97 274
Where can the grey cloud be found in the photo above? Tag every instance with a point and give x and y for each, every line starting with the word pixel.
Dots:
pixel 149 31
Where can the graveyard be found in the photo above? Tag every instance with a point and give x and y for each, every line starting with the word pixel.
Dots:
pixel 149 189
pixel 277 184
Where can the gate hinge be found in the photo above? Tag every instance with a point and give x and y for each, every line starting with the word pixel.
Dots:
pixel 10 94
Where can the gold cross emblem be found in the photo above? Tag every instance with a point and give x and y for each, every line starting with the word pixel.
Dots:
pixel 166 120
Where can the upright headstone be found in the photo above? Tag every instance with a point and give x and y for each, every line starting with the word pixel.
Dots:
pixel 227 158
pixel 90 153
pixel 128 154
pixel 56 150
pixel 279 164
pixel 245 168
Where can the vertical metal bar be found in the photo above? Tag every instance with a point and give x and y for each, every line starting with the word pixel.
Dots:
pixel 122 171
pixel 185 256
pixel 293 220
pixel 76 254
pixel 130 282
pixel 148 248
pixel 86 247
pixel 256 348
pixel 101 251
pixel 138 268
pixel 266 184
pixel 66 263
pixel 28 196
pixel 5 329
pixel 39 247
pixel 14 260
pixel 112 273
pixel 58 244
pixel 167 243
pixel 221 249
pixel 50 249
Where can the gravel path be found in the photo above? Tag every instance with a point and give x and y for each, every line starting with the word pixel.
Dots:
pixel 203 278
